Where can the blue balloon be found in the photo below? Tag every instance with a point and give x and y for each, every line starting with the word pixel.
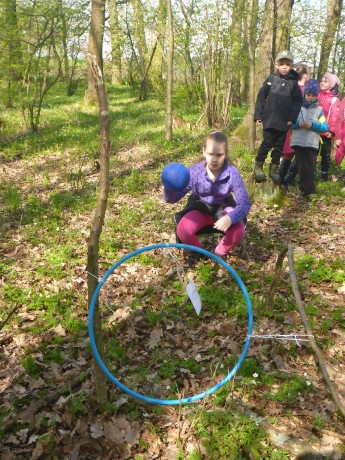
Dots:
pixel 175 177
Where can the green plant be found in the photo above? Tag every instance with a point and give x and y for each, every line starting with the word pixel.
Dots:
pixel 31 367
pixel 225 436
pixel 77 405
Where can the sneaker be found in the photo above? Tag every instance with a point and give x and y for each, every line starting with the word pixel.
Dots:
pixel 324 176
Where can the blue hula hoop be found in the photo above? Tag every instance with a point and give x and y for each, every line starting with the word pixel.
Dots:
pixel 190 399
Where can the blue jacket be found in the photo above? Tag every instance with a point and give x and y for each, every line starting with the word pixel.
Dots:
pixel 303 137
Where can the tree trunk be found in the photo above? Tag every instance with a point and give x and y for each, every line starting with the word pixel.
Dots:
pixel 116 42
pixel 15 59
pixel 170 74
pixel 158 59
pixel 265 61
pixel 251 27
pixel 97 223
pixel 95 47
pixel 141 45
pixel 333 16
pixel 283 25
pixel 64 41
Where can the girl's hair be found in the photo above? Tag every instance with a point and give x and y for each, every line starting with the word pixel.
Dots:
pixel 221 138
pixel 302 69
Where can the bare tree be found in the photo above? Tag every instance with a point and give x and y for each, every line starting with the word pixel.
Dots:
pixel 95 46
pixel 333 17
pixel 252 16
pixel 98 221
pixel 170 71
pixel 116 43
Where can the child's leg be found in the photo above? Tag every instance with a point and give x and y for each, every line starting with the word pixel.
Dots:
pixel 231 239
pixel 326 156
pixel 189 224
pixel 278 143
pixel 306 158
pixel 266 145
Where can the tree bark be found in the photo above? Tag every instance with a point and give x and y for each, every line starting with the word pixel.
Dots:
pixel 333 17
pixel 98 221
pixel 170 74
pixel 156 74
pixel 95 47
pixel 251 26
pixel 116 42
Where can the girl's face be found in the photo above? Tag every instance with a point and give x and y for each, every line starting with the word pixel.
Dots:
pixel 324 84
pixel 215 155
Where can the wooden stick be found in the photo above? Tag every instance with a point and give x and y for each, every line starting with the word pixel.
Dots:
pixel 317 353
pixel 3 323
pixel 277 274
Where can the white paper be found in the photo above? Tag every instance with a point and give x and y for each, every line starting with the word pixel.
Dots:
pixel 194 296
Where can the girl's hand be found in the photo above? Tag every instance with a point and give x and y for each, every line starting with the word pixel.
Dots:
pixel 338 142
pixel 223 224
pixel 308 124
pixel 301 124
pixel 329 134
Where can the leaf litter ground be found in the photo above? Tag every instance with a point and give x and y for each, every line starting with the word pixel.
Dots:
pixel 47 399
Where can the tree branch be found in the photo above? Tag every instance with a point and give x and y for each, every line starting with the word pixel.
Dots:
pixel 315 348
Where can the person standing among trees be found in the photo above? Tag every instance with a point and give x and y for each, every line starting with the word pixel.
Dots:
pixel 328 100
pixel 288 165
pixel 278 104
pixel 306 136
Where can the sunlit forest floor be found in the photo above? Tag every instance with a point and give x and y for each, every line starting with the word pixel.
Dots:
pixel 156 344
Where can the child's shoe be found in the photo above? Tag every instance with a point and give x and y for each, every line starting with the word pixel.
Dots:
pixel 324 176
pixel 274 174
pixel 258 172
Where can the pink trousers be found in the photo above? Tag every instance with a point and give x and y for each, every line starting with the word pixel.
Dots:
pixel 195 220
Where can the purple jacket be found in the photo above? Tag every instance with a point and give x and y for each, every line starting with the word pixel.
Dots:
pixel 215 192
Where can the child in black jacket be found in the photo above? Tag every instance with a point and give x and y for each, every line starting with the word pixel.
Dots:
pixel 278 104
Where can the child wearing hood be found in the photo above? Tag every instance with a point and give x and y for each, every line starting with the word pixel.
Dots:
pixel 305 140
pixel 328 100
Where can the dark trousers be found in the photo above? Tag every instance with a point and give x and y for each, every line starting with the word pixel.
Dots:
pixel 325 152
pixel 306 162
pixel 272 139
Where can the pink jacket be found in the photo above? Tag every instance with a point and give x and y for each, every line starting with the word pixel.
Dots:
pixel 340 122
pixel 340 132
pixel 330 106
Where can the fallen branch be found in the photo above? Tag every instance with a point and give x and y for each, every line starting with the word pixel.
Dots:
pixel 317 353
pixel 277 275
pixel 3 323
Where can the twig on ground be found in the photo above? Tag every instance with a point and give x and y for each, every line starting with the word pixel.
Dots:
pixel 277 275
pixel 315 348
pixel 3 324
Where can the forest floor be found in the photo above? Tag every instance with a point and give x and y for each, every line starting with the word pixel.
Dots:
pixel 156 344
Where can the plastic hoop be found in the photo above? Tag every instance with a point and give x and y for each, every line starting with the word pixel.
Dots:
pixel 190 399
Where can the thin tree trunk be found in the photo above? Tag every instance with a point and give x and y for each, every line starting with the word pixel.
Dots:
pixel 116 42
pixel 333 17
pixel 97 223
pixel 170 74
pixel 251 26
pixel 95 46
